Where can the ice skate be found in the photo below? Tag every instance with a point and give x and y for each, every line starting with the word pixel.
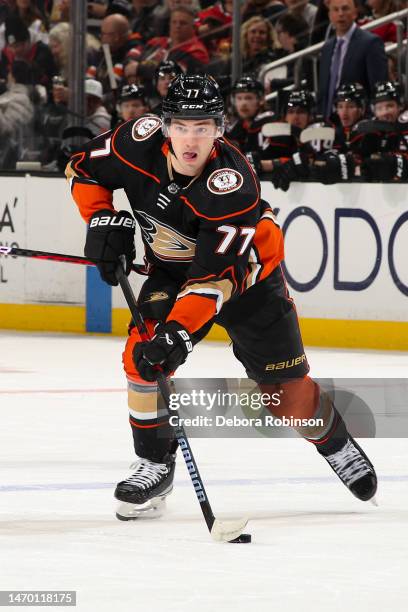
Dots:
pixel 353 467
pixel 143 493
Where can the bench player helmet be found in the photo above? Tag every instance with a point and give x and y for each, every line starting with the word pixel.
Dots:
pixel 167 67
pixel 386 90
pixel 248 84
pixel 132 92
pixel 302 99
pixel 193 97
pixel 351 92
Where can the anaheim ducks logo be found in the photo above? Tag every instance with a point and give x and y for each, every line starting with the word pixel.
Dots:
pixel 156 296
pixel 145 127
pixel 224 181
pixel 165 242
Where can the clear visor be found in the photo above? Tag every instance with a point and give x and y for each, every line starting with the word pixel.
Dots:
pixel 173 128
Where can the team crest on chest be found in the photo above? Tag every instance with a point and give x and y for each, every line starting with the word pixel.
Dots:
pixel 145 127
pixel 166 243
pixel 225 180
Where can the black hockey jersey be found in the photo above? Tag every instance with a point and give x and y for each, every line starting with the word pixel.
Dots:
pixel 215 236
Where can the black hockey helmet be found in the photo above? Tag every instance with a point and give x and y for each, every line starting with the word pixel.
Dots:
pixel 132 92
pixel 301 98
pixel 193 97
pixel 248 84
pixel 167 67
pixel 386 90
pixel 351 92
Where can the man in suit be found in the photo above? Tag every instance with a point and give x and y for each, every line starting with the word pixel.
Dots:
pixel 352 55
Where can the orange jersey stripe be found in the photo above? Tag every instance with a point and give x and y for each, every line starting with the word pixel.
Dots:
pixel 193 311
pixel 91 197
pixel 268 241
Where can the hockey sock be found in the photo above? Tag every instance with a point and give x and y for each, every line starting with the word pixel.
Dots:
pixel 153 436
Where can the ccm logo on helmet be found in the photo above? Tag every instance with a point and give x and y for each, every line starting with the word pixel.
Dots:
pixel 115 221
pixel 192 106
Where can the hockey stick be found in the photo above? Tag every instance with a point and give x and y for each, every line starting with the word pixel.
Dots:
pixel 74 259
pixel 224 531
pixel 320 132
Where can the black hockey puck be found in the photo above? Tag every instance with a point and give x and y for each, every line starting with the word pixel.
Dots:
pixel 244 538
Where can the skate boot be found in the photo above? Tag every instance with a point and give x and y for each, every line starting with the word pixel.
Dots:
pixel 350 462
pixel 143 493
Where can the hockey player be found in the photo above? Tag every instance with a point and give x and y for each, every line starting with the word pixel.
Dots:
pixel 214 251
pixel 281 153
pixel 132 102
pixel 247 97
pixel 381 146
pixel 334 162
pixel 165 73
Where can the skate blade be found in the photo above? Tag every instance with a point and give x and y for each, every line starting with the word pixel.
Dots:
pixel 225 531
pixel 374 501
pixel 154 508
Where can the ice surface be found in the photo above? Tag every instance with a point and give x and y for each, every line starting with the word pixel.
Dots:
pixel 65 441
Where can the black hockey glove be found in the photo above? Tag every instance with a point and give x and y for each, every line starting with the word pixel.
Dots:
pixel 168 349
pixel 295 169
pixel 332 167
pixel 385 167
pixel 254 159
pixel 109 236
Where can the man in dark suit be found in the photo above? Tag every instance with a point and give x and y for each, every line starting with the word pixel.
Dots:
pixel 352 55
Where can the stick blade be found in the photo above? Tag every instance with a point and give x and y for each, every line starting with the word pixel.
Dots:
pixel 317 133
pixel 277 128
pixel 224 531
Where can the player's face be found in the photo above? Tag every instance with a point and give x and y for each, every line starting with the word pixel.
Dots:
pixel 246 105
pixel 388 110
pixel 163 83
pixel 349 113
pixel 131 109
pixel 297 116
pixel 192 142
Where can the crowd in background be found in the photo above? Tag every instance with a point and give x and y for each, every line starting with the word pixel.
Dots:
pixel 352 126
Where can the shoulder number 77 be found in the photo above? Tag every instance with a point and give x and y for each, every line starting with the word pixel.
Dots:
pixel 230 233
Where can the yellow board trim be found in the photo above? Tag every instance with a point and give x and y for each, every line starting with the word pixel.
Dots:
pixel 378 335
pixel 43 317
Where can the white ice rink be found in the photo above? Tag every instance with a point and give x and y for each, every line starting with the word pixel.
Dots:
pixel 65 441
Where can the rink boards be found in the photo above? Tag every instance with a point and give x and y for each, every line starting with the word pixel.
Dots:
pixel 346 262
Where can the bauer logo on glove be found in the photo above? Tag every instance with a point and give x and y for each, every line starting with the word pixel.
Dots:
pixel 110 236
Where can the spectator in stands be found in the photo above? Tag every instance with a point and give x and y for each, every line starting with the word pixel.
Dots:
pixel 303 8
pixel 322 28
pixel 163 12
pixel 102 8
pixel 381 8
pixel 165 73
pixel 37 54
pixel 144 17
pixel 182 46
pixel 60 11
pixel 98 120
pixel 30 14
pixel 214 27
pixel 258 44
pixel 132 103
pixel 268 9
pixel 59 44
pixel 290 30
pixel 16 114
pixel 352 55
pixel 115 32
